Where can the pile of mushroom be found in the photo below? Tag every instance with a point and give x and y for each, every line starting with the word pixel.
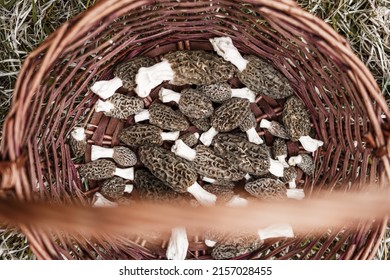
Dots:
pixel 199 141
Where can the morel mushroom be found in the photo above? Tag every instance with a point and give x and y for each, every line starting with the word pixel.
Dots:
pixel 141 134
pixel 248 126
pixel 230 142
pixel 275 128
pixel 221 92
pixel 212 236
pixel 191 102
pixel 164 117
pixel 120 106
pixel 226 245
pixel 178 244
pixel 279 150
pixel 304 162
pixel 121 155
pixel 225 195
pixel 271 189
pixel 175 172
pixel 297 123
pixel 267 189
pixel 115 188
pixel 184 67
pixel 152 189
pixel 261 76
pixel 234 245
pixel 104 169
pixel 248 157
pixel 100 201
pixel 289 176
pixel 226 118
pixel 207 163
pixel 190 139
pixel 255 73
pixel 221 239
pixel 128 70
pixel 125 74
pixel 201 124
pixel 198 67
pixel 78 141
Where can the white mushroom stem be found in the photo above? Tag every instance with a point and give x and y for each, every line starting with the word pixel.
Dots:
pixel 106 89
pixel 210 243
pixel 101 152
pixel 275 231
pixel 208 180
pixel 148 78
pixel 142 116
pixel 91 125
pixel 202 196
pixel 103 106
pixel 170 136
pixel 129 188
pixel 207 137
pixel 253 136
pixel 265 123
pixel 225 48
pixel 237 201
pixel 297 194
pixel 182 150
pixel 178 244
pixel 276 168
pixel 310 144
pixel 125 173
pixel 100 201
pixel 167 95
pixel 282 159
pixel 78 134
pixel 247 177
pixel 292 184
pixel 244 93
pixel 295 160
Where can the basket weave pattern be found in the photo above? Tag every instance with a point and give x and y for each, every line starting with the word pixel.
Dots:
pixel 52 96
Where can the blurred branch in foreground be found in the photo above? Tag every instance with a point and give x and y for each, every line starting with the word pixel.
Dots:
pixel 318 213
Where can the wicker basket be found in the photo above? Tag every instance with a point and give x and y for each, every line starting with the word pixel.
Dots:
pixel 52 96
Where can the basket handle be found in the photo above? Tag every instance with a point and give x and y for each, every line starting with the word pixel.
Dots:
pixel 9 172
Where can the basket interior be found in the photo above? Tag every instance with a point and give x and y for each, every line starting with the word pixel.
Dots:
pixel 318 72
